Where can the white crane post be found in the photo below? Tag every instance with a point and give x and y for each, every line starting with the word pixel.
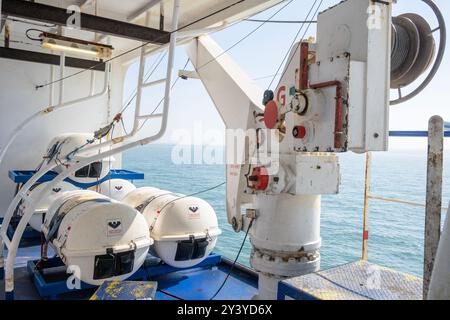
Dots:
pixel 235 98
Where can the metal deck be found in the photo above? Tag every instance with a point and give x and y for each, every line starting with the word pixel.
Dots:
pixel 354 281
pixel 198 283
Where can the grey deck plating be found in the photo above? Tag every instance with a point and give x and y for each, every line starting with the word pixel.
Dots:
pixel 354 281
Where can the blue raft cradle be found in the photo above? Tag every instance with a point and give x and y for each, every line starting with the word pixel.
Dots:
pixel 52 286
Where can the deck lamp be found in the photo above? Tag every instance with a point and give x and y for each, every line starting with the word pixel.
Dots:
pixel 60 43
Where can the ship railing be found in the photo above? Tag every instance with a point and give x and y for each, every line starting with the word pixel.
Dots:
pixel 437 131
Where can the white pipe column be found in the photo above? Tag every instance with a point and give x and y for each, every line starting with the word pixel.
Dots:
pixel 92 83
pixel 267 287
pixel 140 83
pixel 52 85
pixel 62 65
pixel 286 239
pixel 170 60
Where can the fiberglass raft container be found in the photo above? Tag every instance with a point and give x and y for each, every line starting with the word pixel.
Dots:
pixel 101 238
pixel 184 229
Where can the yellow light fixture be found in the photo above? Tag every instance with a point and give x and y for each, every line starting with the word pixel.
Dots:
pixel 60 43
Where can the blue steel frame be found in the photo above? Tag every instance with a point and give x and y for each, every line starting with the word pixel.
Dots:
pixel 286 290
pixel 51 290
pixel 22 176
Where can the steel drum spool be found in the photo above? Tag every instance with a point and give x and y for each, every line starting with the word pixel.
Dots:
pixel 413 51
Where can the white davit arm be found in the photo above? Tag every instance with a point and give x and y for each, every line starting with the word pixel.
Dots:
pixel 236 98
pixel 440 278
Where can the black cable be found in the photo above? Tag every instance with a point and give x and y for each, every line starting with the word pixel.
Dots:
pixel 234 262
pixel 293 42
pixel 265 77
pixel 246 36
pixel 283 21
pixel 191 195
pixel 31 38
pixel 161 290
pixel 169 294
pixel 140 46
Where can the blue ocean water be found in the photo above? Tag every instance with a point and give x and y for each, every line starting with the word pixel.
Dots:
pixel 395 230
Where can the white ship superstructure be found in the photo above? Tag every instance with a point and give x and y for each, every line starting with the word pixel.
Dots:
pixel 63 67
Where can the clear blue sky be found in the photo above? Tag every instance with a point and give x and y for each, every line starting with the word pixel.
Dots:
pixel 260 55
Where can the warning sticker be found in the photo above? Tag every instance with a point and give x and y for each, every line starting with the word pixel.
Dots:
pixel 194 212
pixel 114 227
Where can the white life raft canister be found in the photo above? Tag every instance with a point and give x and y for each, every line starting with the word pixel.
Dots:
pixel 116 189
pixel 184 229
pixel 46 200
pixel 101 238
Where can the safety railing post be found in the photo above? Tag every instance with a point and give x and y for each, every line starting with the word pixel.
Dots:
pixel 367 181
pixel 61 76
pixel 433 205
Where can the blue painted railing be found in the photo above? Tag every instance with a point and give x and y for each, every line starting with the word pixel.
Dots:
pixel 22 176
pixel 416 134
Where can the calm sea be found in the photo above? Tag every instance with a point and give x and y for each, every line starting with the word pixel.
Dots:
pixel 396 231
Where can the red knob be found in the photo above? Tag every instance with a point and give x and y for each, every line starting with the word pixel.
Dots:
pixel 259 180
pixel 271 114
pixel 299 132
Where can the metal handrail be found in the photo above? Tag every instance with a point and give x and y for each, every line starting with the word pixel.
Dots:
pixel 438 130
pixel 417 134
pixel 407 202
